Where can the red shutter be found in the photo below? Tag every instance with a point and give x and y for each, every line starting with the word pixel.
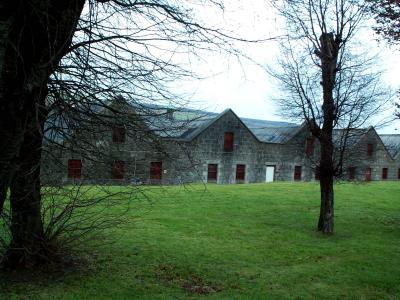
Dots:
pixel 228 142
pixel 370 149
pixel 117 170
pixel 297 173
pixel 119 134
pixel 368 174
pixel 74 168
pixel 240 172
pixel 384 173
pixel 212 172
pixel 156 170
pixel 352 173
pixel 309 147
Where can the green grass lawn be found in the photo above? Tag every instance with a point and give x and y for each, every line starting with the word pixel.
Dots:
pixel 253 241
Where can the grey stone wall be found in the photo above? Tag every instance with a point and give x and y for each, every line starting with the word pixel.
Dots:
pixel 208 148
pixel 187 161
pixel 358 158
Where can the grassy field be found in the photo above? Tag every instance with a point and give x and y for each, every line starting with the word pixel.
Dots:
pixel 241 242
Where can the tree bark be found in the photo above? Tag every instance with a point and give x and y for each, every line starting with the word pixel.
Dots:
pixel 3 196
pixel 28 245
pixel 328 54
pixel 35 35
pixel 326 216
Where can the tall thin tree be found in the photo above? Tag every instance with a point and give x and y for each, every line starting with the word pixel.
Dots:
pixel 326 82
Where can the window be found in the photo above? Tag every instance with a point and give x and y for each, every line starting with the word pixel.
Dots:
pixel 370 149
pixel 119 135
pixel 398 173
pixel 117 169
pixel 317 173
pixel 384 173
pixel 368 174
pixel 240 173
pixel 297 173
pixel 155 170
pixel 74 168
pixel 228 142
pixel 212 173
pixel 352 173
pixel 309 146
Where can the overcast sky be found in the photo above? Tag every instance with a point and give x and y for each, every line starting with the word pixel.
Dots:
pixel 245 87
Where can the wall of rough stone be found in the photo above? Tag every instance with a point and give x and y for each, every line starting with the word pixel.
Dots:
pixel 359 159
pixel 187 161
pixel 208 148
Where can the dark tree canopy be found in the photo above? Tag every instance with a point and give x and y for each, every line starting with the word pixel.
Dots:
pixel 387 16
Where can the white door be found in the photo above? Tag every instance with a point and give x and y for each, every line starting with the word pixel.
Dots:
pixel 269 174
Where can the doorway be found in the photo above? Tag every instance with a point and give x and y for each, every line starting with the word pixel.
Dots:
pixel 270 174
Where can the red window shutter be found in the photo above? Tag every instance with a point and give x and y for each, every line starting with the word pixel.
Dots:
pixel 240 172
pixel 370 149
pixel 297 173
pixel 119 134
pixel 156 170
pixel 228 141
pixel 309 147
pixel 117 170
pixel 352 173
pixel 368 174
pixel 212 172
pixel 384 173
pixel 74 168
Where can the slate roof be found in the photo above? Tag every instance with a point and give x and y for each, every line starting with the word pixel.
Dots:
pixel 352 138
pixel 185 124
pixel 272 131
pixel 392 143
pixel 263 130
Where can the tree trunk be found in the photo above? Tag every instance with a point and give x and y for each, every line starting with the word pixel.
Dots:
pixel 326 215
pixel 10 127
pixel 328 54
pixel 3 196
pixel 28 245
pixel 35 35
pixel 325 223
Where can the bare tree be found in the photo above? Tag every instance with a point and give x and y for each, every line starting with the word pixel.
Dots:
pixel 327 82
pixel 60 64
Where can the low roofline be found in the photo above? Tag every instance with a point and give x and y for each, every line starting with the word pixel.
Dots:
pixel 371 128
pixel 215 119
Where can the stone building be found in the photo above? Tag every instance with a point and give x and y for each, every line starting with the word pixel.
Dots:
pixel 193 146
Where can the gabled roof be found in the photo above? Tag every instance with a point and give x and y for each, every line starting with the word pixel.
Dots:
pixel 263 130
pixel 392 144
pixel 352 136
pixel 272 131
pixel 200 123
pixel 186 124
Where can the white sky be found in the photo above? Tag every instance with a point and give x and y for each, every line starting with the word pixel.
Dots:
pixel 245 87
